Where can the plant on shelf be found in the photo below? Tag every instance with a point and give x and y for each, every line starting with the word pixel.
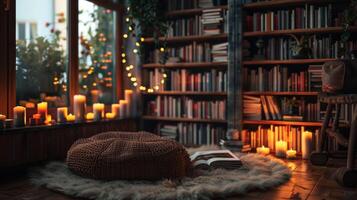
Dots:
pixel 301 49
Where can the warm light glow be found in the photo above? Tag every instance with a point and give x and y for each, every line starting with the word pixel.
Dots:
pixel 150 90
pixel 127 19
pixel 135 51
pixel 129 75
pixel 125 36
pixel 156 87
pixel 123 61
pixel 162 49
pixel 109 115
pixel 133 79
pixel 164 75
pixel 137 44
pixel 135 84
pixel 123 55
pixel 142 39
pixel 291 154
pixel 2 117
pixel 90 116
pixel 143 88
pixel 71 118
pixel 130 28
pixel 263 150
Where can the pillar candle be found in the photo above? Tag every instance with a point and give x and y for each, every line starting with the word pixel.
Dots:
pixel 280 148
pixel 263 150
pixel 42 110
pixel 128 94
pixel 98 111
pixel 291 154
pixel 2 121
pixel 306 144
pixel 90 116
pixel 62 113
pixel 116 110
pixel 109 115
pixel 123 106
pixel 48 119
pixel 79 107
pixel 19 116
pixel 71 118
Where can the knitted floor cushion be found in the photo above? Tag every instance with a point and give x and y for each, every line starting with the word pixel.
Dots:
pixel 128 155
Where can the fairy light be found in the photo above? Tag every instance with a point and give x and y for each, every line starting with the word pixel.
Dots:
pixel 135 51
pixel 127 19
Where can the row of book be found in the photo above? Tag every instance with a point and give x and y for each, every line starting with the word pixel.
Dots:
pixel 309 16
pixel 183 4
pixel 319 47
pixel 195 52
pixel 178 107
pixel 278 79
pixel 268 136
pixel 186 80
pixel 193 133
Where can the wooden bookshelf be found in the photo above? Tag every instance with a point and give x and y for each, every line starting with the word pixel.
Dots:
pixel 190 12
pixel 169 119
pixel 282 93
pixel 287 123
pixel 288 62
pixel 328 30
pixel 184 39
pixel 181 93
pixel 285 3
pixel 199 65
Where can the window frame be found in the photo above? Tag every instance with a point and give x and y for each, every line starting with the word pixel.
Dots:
pixel 8 52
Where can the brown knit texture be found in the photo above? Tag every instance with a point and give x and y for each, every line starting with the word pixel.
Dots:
pixel 128 155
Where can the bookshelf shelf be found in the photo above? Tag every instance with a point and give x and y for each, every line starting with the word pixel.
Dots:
pixel 287 62
pixel 190 12
pixel 208 65
pixel 286 3
pixel 274 122
pixel 180 93
pixel 167 119
pixel 328 30
pixel 197 38
pixel 282 93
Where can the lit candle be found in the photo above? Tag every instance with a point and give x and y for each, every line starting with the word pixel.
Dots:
pixel 2 121
pixel 79 107
pixel 48 119
pixel 123 106
pixel 263 150
pixel 98 111
pixel 116 110
pixel 42 110
pixel 19 116
pixel 128 94
pixel 62 113
pixel 109 115
pixel 71 118
pixel 280 148
pixel 306 144
pixel 291 154
pixel 90 116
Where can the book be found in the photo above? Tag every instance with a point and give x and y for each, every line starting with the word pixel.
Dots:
pixel 215 159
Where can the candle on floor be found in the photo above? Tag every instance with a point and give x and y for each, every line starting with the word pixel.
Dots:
pixel 123 106
pixel 79 107
pixel 306 144
pixel 48 119
pixel 291 154
pixel 281 148
pixel 98 111
pixel 42 110
pixel 128 94
pixel 116 110
pixel 263 150
pixel 62 113
pixel 2 121
pixel 19 116
pixel 109 115
pixel 90 116
pixel 71 118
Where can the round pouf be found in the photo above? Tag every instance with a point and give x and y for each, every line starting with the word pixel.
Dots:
pixel 128 155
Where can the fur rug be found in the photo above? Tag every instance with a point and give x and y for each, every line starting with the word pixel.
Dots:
pixel 259 172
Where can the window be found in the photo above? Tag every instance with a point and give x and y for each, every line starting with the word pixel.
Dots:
pixel 41 52
pixel 96 52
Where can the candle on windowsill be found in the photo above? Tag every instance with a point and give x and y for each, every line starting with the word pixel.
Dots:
pixel 2 121
pixel 42 110
pixel 291 154
pixel 122 110
pixel 19 116
pixel 263 150
pixel 79 107
pixel 109 115
pixel 90 116
pixel 116 110
pixel 98 111
pixel 306 144
pixel 281 148
pixel 128 95
pixel 62 113
pixel 71 118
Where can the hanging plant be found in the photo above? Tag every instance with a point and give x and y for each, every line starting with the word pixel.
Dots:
pixel 349 19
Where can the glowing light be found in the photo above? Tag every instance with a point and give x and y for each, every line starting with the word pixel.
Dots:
pixel 143 88
pixel 123 61
pixel 128 68
pixel 150 90
pixel 156 87
pixel 127 19
pixel 162 49
pixel 162 81
pixel 133 79
pixel 131 66
pixel 129 75
pixel 142 39
pixel 135 84
pixel 137 44
pixel 130 28
pixel 85 86
pixel 135 51
pixel 123 55
pixel 164 75
pixel 125 36
pixel 94 84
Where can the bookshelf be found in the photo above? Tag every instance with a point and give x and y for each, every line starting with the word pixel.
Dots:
pixel 272 22
pixel 193 106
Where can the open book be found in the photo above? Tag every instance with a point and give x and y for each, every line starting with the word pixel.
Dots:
pixel 215 159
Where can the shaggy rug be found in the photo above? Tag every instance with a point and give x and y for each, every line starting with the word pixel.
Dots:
pixel 259 172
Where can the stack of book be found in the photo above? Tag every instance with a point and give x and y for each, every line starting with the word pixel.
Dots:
pixel 234 145
pixel 220 52
pixel 252 108
pixel 169 131
pixel 212 21
pixel 315 78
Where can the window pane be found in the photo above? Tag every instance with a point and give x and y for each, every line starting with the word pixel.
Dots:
pixel 96 52
pixel 41 52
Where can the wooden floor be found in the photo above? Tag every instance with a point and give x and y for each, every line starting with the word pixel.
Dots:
pixel 307 182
